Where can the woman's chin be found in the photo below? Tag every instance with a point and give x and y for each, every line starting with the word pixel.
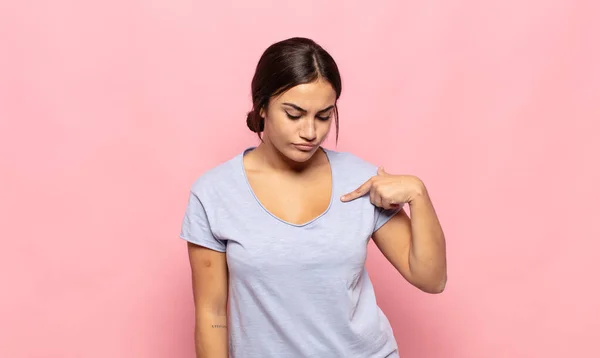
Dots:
pixel 298 155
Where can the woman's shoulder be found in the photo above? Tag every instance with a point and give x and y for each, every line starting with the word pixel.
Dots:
pixel 216 176
pixel 351 161
pixel 354 168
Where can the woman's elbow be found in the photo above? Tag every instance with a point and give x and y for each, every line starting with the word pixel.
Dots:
pixel 433 286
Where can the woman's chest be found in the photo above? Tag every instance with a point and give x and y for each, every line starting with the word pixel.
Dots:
pixel 291 199
pixel 259 241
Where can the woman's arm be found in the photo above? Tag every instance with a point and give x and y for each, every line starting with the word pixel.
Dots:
pixel 416 246
pixel 210 287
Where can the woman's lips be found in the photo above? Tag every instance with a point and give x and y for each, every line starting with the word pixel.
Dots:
pixel 305 147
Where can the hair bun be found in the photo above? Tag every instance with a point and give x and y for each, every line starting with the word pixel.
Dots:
pixel 255 123
pixel 249 121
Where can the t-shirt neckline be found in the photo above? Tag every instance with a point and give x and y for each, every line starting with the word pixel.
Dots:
pixel 258 202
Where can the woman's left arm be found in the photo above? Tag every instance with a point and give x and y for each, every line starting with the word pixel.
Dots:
pixel 415 246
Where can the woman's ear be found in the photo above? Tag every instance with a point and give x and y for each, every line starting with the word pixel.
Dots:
pixel 262 113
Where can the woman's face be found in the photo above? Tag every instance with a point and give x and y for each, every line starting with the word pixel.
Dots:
pixel 299 120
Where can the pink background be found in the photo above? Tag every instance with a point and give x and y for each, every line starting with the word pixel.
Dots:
pixel 109 110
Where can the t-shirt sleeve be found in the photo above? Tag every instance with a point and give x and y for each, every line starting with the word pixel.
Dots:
pixel 196 227
pixel 382 216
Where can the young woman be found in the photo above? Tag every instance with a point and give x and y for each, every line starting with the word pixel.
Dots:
pixel 277 236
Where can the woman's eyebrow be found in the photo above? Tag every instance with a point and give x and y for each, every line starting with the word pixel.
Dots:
pixel 326 109
pixel 304 110
pixel 295 107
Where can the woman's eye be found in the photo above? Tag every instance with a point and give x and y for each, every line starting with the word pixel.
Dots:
pixel 323 118
pixel 292 117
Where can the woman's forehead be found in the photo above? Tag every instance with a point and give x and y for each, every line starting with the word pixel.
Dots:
pixel 308 95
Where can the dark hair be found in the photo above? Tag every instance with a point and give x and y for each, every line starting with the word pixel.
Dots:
pixel 286 64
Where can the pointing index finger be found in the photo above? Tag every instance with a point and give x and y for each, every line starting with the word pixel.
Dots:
pixel 360 191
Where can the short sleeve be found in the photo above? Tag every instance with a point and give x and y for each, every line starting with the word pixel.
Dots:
pixel 382 216
pixel 196 227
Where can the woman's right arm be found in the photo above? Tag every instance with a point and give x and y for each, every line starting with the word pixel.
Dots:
pixel 210 287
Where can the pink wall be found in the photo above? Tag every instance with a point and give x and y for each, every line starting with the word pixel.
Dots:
pixel 109 110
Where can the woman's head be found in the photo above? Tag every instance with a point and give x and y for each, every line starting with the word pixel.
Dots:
pixel 294 94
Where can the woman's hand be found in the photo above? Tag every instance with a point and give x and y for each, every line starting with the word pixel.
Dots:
pixel 388 191
pixel 415 246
